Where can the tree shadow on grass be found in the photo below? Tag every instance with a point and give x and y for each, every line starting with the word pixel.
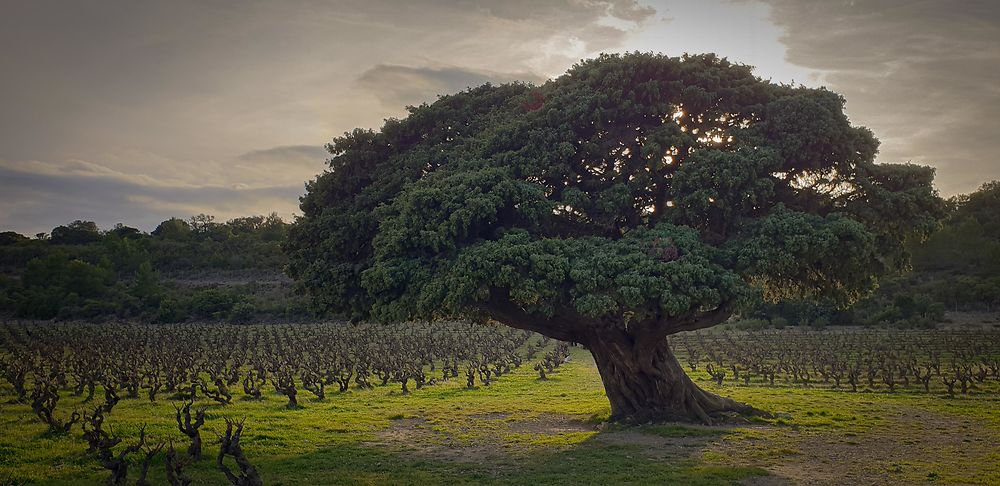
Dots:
pixel 659 455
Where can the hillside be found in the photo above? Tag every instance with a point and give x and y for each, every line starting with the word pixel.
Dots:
pixel 183 271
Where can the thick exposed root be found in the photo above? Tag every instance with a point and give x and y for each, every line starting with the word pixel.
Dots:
pixel 651 385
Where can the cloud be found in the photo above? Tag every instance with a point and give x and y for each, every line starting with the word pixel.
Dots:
pixel 136 111
pixel 521 10
pixel 145 110
pixel 923 75
pixel 75 168
pixel 396 86
pixel 309 154
pixel 38 197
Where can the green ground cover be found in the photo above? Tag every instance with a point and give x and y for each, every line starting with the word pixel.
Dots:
pixel 522 430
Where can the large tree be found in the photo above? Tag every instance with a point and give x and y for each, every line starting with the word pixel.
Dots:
pixel 634 197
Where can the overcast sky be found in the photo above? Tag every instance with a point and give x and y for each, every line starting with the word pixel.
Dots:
pixel 136 111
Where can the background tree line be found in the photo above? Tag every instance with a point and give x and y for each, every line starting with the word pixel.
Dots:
pixel 195 269
pixel 80 272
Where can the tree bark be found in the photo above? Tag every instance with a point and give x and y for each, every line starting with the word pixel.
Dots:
pixel 647 383
pixel 641 376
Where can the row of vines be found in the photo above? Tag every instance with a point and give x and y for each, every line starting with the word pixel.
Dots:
pixel 889 360
pixel 96 367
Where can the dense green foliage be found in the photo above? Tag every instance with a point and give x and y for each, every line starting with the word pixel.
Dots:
pixel 635 188
pixel 956 268
pixel 962 261
pixel 80 272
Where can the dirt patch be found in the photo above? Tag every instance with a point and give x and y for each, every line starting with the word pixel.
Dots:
pixel 913 447
pixel 482 437
pixel 552 424
pixel 970 320
pixel 406 431
pixel 767 481
pixel 415 437
pixel 655 447
pixel 490 416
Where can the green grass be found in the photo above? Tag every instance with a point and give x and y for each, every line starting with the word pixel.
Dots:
pixel 521 430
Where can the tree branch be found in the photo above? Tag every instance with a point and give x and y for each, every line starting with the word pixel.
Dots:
pixel 501 309
pixel 652 333
pixel 702 320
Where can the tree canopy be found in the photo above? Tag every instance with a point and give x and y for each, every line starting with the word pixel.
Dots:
pixel 76 233
pixel 635 185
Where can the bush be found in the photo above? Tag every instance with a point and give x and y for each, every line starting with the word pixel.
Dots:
pixel 76 233
pixel 171 311
pixel 242 312
pixel 212 303
pixel 752 324
pixel 11 238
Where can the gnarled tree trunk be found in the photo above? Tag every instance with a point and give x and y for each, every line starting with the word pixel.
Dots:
pixel 647 383
pixel 641 376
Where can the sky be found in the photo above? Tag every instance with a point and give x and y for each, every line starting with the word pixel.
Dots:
pixel 124 111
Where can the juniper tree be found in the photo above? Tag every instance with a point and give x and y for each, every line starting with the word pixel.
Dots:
pixel 634 197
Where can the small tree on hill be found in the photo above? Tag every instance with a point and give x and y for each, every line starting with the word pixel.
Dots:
pixel 76 233
pixel 173 229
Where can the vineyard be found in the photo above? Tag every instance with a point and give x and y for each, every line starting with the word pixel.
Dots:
pixel 949 361
pixel 175 403
pixel 194 361
pixel 101 365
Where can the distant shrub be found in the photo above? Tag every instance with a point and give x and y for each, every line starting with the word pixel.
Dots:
pixel 242 312
pixel 212 303
pixel 171 311
pixel 76 233
pixel 752 324
pixel 11 238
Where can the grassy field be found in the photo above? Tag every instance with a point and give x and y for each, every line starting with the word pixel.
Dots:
pixel 521 430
